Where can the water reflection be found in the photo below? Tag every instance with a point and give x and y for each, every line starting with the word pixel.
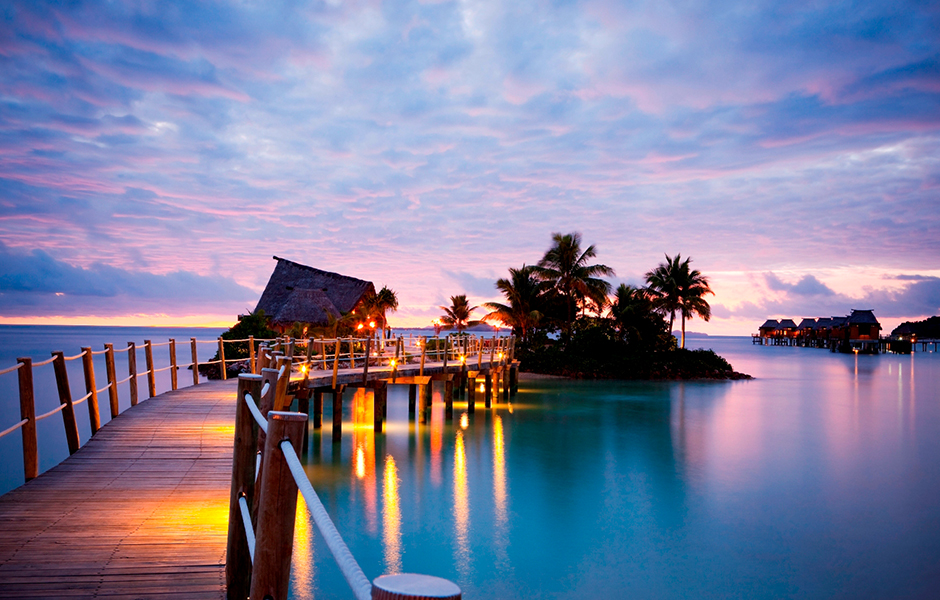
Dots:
pixel 391 515
pixel 499 473
pixel 364 457
pixel 303 567
pixel 461 506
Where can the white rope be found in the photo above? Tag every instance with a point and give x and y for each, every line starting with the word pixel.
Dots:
pixel 122 350
pixel 264 390
pixel 51 412
pixel 82 399
pixel 347 563
pixel 246 522
pixel 163 369
pixel 43 363
pixel 76 356
pixel 253 408
pixel 128 378
pixel 11 369
pixel 13 428
pixel 160 344
pixel 280 372
pixel 99 352
pixel 103 389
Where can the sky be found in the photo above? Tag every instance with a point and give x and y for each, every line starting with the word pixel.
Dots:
pixel 154 156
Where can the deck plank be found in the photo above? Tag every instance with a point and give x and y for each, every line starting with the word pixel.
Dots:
pixel 141 511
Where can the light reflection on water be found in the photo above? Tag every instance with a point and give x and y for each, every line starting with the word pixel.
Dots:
pixel 813 480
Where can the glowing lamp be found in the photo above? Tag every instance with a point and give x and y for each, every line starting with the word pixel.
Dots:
pixel 359 326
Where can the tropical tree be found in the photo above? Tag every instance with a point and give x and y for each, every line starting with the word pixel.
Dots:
pixel 524 293
pixel 565 266
pixel 636 320
pixel 679 288
pixel 376 307
pixel 457 315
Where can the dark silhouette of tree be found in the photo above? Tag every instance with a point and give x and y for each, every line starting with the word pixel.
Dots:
pixel 524 293
pixel 457 315
pixel 677 287
pixel 571 276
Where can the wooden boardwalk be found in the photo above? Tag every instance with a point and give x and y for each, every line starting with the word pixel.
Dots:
pixel 141 511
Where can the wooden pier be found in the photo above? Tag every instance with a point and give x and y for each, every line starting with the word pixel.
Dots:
pixel 141 510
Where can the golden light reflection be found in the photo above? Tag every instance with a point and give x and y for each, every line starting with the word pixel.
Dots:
pixel 437 443
pixel 360 462
pixel 464 421
pixel 303 568
pixel 363 440
pixel 392 518
pixel 461 506
pixel 499 473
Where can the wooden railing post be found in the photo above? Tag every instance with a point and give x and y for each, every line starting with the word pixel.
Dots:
pixel 237 556
pixel 222 358
pixel 446 351
pixel 251 354
pixel 424 350
pixel 492 351
pixel 480 353
pixel 111 370
pixel 335 361
pixel 88 366
pixel 338 413
pixel 28 413
pixel 151 376
pixel 132 371
pixel 265 406
pixel 352 354
pixel 65 397
pixel 174 381
pixel 270 576
pixel 192 344
pixel 280 399
pixel 365 367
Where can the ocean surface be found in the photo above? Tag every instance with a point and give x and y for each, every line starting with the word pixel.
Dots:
pixel 818 479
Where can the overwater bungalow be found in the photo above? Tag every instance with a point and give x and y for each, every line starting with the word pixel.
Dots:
pixel 857 332
pixel 297 293
pixel 768 328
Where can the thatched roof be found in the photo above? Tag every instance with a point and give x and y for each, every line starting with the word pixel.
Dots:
pixel 296 292
pixel 807 324
pixel 769 324
pixel 838 321
pixel 823 322
pixel 862 317
pixel 786 324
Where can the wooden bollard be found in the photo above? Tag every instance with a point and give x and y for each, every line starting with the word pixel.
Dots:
pixel 224 373
pixel 317 409
pixel 88 367
pixel 472 391
pixel 338 413
pixel 237 557
pixel 151 376
pixel 412 398
pixel 111 370
pixel 132 371
pixel 270 576
pixel 409 586
pixel 280 399
pixel 174 376
pixel 265 405
pixel 192 344
pixel 252 363
pixel 65 397
pixel 28 414
pixel 425 402
pixel 448 399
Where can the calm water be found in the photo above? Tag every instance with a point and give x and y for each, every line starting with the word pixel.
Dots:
pixel 819 479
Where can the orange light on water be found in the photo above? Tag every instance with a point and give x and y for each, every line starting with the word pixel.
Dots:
pixel 464 421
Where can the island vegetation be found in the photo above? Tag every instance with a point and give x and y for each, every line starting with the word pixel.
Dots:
pixel 568 321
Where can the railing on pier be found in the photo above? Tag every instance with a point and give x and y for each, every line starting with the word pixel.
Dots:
pixel 263 503
pixel 319 355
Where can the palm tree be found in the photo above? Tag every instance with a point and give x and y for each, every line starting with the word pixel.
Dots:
pixel 524 292
pixel 566 266
pixel 457 315
pixel 680 288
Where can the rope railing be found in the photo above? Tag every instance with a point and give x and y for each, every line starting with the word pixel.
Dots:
pixel 351 570
pixel 77 356
pixel 82 399
pixel 15 367
pixel 13 428
pixel 98 352
pixel 59 408
pixel 246 523
pixel 48 361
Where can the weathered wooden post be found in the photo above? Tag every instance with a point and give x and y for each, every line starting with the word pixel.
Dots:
pixel 412 398
pixel 365 367
pixel 88 366
pixel 492 350
pixel 323 352
pixel 472 391
pixel 65 397
pixel 192 343
pixel 222 370
pixel 426 400
pixel 270 576
pixel 488 389
pixel 174 376
pixel 309 355
pixel 449 398
pixel 446 351
pixel 317 408
pixel 352 354
pixel 480 353
pixel 513 378
pixel 111 370
pixel 338 413
pixel 28 414
pixel 424 349
pixel 280 399
pixel 335 361
pixel 237 556
pixel 379 399
pixel 132 371
pixel 252 365
pixel 151 376
pixel 506 377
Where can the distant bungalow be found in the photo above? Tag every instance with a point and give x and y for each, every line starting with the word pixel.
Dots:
pixel 858 332
pixel 297 293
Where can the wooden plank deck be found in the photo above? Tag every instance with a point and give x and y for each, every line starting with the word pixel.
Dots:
pixel 140 511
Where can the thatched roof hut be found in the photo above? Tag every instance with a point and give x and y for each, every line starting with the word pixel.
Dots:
pixel 298 293
pixel 806 324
